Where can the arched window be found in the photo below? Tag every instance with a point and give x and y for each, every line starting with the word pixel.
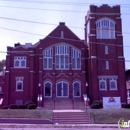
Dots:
pixel 62 57
pixel 47 59
pixel 47 89
pixel 102 84
pixel 113 84
pixel 76 59
pixel 105 29
pixel 76 89
pixel 19 83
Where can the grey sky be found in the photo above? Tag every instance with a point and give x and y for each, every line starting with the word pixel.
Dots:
pixel 76 19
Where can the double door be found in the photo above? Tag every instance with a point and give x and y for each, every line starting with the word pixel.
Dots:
pixel 62 89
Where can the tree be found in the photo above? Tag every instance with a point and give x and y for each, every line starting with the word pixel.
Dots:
pixel 2 65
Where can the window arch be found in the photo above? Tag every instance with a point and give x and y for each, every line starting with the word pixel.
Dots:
pixel 113 84
pixel 76 89
pixel 47 59
pixel 76 59
pixel 19 83
pixel 62 89
pixel 47 89
pixel 105 29
pixel 102 84
pixel 62 57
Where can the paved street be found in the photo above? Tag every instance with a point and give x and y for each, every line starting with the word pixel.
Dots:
pixel 60 129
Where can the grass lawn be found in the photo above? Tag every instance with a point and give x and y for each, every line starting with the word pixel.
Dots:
pixel 25 113
pixel 108 116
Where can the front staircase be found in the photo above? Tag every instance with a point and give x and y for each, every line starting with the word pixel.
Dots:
pixel 67 110
pixel 70 117
pixel 64 104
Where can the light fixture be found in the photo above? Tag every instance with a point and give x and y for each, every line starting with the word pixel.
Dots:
pixel 39 85
pixel 85 99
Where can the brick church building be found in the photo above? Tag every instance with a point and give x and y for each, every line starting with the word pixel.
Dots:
pixel 63 66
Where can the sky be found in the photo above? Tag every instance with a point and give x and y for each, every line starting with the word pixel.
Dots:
pixel 48 14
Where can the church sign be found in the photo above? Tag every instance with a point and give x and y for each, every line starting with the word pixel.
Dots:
pixel 111 102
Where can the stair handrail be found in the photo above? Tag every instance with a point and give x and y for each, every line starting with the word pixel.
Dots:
pixel 54 104
pixel 86 100
pixel 73 102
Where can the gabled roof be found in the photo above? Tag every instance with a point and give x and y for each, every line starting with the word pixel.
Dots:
pixel 56 33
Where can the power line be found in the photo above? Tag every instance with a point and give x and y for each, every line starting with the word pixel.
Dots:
pixel 43 9
pixel 21 31
pixel 64 38
pixel 61 3
pixel 28 21
pixel 28 8
pixel 27 53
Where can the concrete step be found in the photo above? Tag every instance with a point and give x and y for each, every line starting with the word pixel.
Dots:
pixel 63 117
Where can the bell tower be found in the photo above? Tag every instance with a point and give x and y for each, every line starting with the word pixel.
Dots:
pixel 106 63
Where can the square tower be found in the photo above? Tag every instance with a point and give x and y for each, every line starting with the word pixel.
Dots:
pixel 103 35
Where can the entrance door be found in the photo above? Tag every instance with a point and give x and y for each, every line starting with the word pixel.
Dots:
pixel 76 89
pixel 48 90
pixel 62 89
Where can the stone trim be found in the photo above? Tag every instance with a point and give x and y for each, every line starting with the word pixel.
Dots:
pixel 92 35
pixel 119 35
pixel 93 57
pixel 107 76
pixel 91 17
pixel 118 17
pixel 120 56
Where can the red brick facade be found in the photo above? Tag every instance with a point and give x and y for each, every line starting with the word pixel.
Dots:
pixel 63 66
pixel 106 58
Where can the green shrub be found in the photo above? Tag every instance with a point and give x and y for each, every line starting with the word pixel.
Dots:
pixel 4 107
pixel 13 106
pixel 96 102
pixel 21 107
pixel 28 103
pixel 95 106
pixel 125 105
pixel 32 106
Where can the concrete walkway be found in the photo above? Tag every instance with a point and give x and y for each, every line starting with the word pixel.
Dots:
pixel 68 111
pixel 24 121
pixel 58 126
pixel 60 129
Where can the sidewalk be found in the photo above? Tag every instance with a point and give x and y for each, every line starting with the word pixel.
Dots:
pixel 58 126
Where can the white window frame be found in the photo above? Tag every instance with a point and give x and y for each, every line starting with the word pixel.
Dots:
pixel 50 90
pixel 105 83
pixel 19 80
pixel 107 65
pixel 107 25
pixel 128 93
pixel 61 53
pixel 19 59
pixel 62 89
pixel 75 55
pixel 106 49
pixel 48 55
pixel 115 81
pixel 79 89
